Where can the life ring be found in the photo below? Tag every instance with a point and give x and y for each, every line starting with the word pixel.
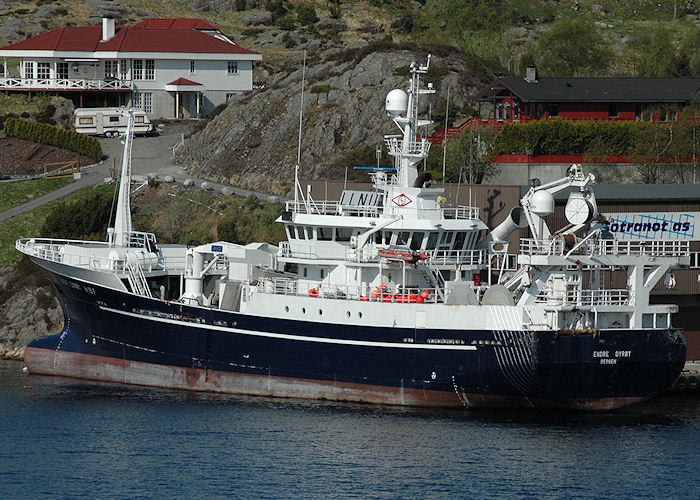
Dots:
pixel 616 324
pixel 313 292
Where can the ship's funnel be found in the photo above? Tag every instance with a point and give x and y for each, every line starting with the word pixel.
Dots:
pixel 515 220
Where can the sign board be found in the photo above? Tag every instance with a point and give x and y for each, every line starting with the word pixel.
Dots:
pixel 656 226
pixel 360 198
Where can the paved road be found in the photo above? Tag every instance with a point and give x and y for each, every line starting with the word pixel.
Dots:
pixel 149 155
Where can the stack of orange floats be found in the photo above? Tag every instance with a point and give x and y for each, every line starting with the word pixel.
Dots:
pixel 382 293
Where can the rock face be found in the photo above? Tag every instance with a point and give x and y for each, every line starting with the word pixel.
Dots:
pixel 253 142
pixel 26 315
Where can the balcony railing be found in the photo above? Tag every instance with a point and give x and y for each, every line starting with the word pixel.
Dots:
pixel 65 84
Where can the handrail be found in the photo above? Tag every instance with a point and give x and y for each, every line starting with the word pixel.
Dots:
pixel 65 83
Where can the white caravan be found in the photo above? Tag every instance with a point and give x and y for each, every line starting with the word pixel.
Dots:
pixel 109 121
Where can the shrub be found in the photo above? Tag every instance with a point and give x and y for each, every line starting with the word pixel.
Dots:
pixel 85 219
pixel 54 136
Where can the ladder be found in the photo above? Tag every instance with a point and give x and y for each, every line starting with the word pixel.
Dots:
pixel 137 279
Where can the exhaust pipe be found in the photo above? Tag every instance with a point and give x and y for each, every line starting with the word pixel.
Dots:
pixel 515 220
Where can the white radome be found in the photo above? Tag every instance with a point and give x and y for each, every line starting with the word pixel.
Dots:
pixel 396 102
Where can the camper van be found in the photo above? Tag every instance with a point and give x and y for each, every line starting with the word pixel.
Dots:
pixel 109 121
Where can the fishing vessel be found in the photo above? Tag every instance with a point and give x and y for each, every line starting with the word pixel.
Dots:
pixel 386 296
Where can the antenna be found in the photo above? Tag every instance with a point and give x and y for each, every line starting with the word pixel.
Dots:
pixel 444 139
pixel 297 187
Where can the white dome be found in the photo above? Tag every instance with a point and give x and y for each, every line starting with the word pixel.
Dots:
pixel 396 102
pixel 542 203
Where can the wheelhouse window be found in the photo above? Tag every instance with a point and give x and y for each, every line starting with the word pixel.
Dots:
pixel 324 233
pixel 432 241
pixel 459 240
pixel 291 234
pixel 232 68
pixel 403 238
pixel 417 240
pixel 343 233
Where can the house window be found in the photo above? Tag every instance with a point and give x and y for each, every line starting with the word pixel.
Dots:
pixel 229 96
pixel 123 69
pixel 43 70
pixel 138 69
pixel 233 67
pixel 193 68
pixel 136 100
pixel 111 69
pixel 150 70
pixel 62 70
pixel 643 112
pixel 668 113
pixel 29 69
pixel 613 110
pixel 148 102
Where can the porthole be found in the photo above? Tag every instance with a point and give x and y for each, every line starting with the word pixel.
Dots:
pixel 286 309
pixel 348 314
pixel 359 315
pixel 320 312
pixel 303 310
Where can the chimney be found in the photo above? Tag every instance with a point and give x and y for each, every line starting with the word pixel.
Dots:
pixel 107 28
pixel 531 74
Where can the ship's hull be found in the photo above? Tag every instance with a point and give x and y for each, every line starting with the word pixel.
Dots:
pixel 120 337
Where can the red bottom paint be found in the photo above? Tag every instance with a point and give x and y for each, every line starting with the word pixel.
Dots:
pixel 104 369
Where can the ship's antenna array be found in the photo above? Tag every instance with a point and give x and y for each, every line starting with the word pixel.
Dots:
pixel 297 188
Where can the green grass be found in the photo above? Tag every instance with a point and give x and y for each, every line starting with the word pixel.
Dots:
pixel 29 224
pixel 14 194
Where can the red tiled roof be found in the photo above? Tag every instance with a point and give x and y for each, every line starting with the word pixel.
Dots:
pixel 184 37
pixel 183 81
pixel 176 24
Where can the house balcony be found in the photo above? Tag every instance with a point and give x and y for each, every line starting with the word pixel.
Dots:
pixel 70 84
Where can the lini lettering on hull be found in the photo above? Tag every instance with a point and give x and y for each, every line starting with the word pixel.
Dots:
pixel 657 226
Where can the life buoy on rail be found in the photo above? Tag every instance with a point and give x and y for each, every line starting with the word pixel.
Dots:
pixel 616 324
pixel 313 292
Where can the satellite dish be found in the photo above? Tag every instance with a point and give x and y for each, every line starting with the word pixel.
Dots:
pixel 578 210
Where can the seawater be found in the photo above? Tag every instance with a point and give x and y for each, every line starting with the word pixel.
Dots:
pixel 64 438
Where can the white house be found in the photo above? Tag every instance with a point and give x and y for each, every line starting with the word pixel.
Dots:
pixel 171 68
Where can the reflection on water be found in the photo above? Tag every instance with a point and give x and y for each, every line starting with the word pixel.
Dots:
pixel 72 438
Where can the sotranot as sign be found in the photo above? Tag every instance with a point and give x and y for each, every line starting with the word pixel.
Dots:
pixel 659 226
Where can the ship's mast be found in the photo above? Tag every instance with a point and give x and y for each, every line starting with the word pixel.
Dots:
pixel 410 151
pixel 122 219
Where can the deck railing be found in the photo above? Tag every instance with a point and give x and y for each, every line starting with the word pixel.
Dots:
pixel 530 246
pixel 65 84
pixel 607 297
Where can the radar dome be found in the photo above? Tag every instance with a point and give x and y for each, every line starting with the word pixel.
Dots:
pixel 542 203
pixel 396 102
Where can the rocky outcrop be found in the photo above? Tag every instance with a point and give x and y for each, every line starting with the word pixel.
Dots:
pixel 253 142
pixel 27 313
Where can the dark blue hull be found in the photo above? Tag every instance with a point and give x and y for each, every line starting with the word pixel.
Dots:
pixel 116 336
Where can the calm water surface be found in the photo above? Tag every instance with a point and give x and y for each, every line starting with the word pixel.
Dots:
pixel 72 439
